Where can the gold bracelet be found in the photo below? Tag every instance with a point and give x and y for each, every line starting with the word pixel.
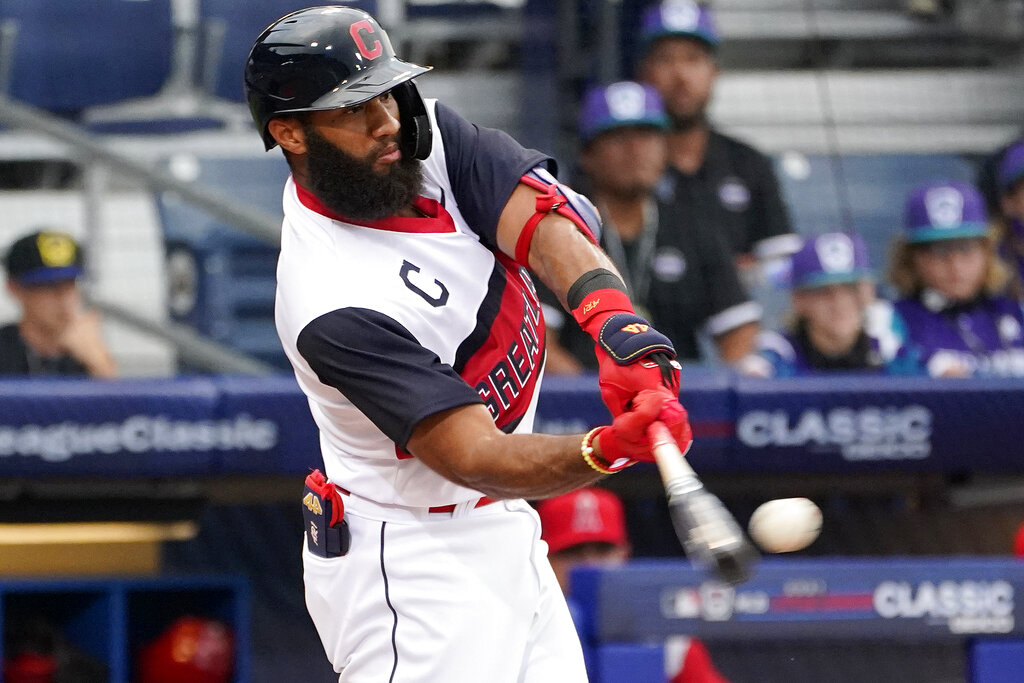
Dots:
pixel 587 451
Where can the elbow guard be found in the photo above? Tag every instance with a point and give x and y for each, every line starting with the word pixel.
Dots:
pixel 559 199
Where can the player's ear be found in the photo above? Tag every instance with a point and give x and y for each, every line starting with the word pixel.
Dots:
pixel 288 132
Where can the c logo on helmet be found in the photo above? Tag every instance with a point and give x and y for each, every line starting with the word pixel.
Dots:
pixel 365 27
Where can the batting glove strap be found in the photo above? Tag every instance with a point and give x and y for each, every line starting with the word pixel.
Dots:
pixel 626 338
pixel 598 462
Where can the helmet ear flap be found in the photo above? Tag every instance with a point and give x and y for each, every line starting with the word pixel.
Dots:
pixel 417 136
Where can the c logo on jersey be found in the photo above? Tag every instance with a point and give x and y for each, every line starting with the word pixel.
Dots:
pixel 436 301
pixel 356 30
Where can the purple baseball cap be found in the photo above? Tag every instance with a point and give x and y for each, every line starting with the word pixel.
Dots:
pixel 619 105
pixel 831 258
pixel 1011 167
pixel 683 18
pixel 944 211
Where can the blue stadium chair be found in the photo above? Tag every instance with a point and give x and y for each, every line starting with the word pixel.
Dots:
pixel 876 187
pixel 221 279
pixel 236 24
pixel 68 55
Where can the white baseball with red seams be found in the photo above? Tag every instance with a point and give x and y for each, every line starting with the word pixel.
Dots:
pixel 785 525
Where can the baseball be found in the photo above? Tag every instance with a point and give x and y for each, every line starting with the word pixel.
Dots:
pixel 784 525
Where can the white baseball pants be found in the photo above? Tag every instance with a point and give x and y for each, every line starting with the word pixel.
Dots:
pixel 462 597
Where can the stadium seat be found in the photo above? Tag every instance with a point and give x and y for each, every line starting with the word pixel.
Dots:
pixel 221 279
pixel 67 55
pixel 235 24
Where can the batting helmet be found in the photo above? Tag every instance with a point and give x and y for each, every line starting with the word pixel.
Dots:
pixel 327 58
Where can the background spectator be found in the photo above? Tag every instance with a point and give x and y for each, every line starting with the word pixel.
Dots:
pixel 1011 220
pixel 953 286
pixel 56 334
pixel 588 527
pixel 987 177
pixel 718 180
pixel 681 273
pixel 838 325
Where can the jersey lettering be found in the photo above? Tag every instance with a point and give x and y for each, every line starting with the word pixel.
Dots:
pixel 503 383
pixel 440 300
pixel 356 30
pixel 507 378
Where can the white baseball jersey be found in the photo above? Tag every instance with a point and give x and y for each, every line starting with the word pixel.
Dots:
pixel 389 322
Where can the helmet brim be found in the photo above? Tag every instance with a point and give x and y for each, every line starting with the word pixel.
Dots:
pixel 363 88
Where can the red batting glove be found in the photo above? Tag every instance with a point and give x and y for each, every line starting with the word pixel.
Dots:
pixel 631 354
pixel 620 383
pixel 626 438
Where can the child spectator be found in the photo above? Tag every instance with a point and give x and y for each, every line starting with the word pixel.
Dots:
pixel 953 286
pixel 837 324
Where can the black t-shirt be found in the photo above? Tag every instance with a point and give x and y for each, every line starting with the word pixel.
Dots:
pixel 16 358
pixel 736 191
pixel 690 281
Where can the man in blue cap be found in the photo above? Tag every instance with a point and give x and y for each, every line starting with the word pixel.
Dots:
pixel 683 275
pixel 718 179
pixel 56 334
pixel 838 326
pixel 953 285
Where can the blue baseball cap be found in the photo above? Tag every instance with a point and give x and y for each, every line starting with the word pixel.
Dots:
pixel 944 211
pixel 682 18
pixel 1011 167
pixel 831 258
pixel 620 105
pixel 44 257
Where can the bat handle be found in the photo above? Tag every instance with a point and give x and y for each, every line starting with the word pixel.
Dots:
pixel 675 471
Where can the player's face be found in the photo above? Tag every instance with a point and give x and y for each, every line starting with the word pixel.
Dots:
pixel 683 71
pixel 354 164
pixel 367 131
pixel 48 307
pixel 625 162
pixel 955 268
pixel 835 312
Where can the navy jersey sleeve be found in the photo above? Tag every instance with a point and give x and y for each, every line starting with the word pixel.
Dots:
pixel 380 367
pixel 484 166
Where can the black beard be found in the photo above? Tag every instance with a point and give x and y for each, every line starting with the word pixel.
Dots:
pixel 685 122
pixel 352 188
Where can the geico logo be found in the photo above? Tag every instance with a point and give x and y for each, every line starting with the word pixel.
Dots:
pixel 945 599
pixel 838 426
pixel 137 434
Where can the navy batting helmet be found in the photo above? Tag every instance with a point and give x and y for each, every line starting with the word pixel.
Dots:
pixel 331 57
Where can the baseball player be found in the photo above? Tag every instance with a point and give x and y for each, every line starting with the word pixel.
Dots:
pixel 406 307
